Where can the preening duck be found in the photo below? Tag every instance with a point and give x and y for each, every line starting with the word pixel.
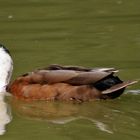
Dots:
pixel 65 83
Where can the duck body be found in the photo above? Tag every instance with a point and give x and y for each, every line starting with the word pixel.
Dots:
pixel 68 83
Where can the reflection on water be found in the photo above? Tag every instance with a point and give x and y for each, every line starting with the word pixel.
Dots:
pixel 103 114
pixel 5 114
pixel 62 113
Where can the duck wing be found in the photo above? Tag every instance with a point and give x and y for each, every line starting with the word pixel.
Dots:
pixel 68 76
pixel 59 67
pixel 78 68
pixel 85 78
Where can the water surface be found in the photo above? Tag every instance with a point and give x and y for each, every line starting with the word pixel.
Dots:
pixel 92 33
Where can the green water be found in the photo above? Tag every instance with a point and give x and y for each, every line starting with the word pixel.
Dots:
pixel 93 33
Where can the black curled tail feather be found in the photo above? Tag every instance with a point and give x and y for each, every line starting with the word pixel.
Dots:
pixel 107 83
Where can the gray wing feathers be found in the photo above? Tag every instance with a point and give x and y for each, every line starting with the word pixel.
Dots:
pixel 72 77
pixel 79 68
pixel 87 78
pixel 56 76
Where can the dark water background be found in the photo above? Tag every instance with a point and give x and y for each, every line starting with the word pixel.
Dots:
pixel 92 33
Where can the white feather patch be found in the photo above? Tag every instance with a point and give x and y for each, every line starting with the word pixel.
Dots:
pixel 6 68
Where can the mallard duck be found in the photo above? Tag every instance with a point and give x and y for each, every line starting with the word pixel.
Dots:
pixel 65 83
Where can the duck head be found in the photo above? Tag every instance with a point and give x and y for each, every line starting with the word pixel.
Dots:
pixel 6 68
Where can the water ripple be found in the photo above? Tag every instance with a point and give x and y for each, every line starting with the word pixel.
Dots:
pixel 134 92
